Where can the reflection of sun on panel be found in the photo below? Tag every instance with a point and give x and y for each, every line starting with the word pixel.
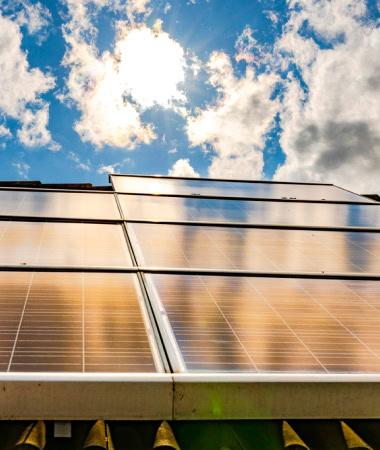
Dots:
pixel 50 337
pixel 115 335
pixel 273 324
pixel 66 244
pixel 257 248
pixel 145 207
pixel 59 204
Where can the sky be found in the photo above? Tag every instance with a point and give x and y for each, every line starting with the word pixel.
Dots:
pixel 285 90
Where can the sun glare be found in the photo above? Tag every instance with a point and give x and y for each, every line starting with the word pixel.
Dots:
pixel 151 67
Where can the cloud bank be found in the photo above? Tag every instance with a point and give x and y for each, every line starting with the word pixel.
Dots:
pixel 22 88
pixel 331 132
pixel 235 126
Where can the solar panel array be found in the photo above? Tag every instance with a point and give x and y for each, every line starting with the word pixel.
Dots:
pixel 83 273
pixel 306 315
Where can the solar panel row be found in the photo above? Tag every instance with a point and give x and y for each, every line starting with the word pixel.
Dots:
pixel 162 186
pixel 185 209
pixel 207 247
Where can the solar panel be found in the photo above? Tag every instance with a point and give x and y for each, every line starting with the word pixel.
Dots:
pixel 255 324
pixel 181 209
pixel 76 205
pixel 162 186
pixel 66 244
pixel 74 322
pixel 228 248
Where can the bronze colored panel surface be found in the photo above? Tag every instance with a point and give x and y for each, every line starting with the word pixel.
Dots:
pixel 182 209
pixel 63 244
pixel 72 322
pixel 75 205
pixel 164 186
pixel 256 324
pixel 257 249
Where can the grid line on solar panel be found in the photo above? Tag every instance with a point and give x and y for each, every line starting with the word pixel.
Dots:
pixel 72 322
pixel 180 246
pixel 179 209
pixel 74 205
pixel 64 244
pixel 232 188
pixel 273 325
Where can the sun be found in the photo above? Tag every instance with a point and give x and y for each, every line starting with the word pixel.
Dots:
pixel 151 67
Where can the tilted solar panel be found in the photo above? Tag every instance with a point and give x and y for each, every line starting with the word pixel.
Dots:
pixel 74 322
pixel 147 185
pixel 159 208
pixel 63 244
pixel 76 205
pixel 207 247
pixel 255 324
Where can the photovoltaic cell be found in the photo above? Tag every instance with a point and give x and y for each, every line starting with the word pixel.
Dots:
pixel 74 205
pixel 207 247
pixel 232 189
pixel 254 324
pixel 185 209
pixel 72 322
pixel 66 244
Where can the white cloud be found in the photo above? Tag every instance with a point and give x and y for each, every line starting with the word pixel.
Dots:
pixel 21 88
pixel 94 87
pixel 247 47
pixel 111 168
pixel 34 16
pixel 236 125
pixel 22 169
pixel 4 131
pixel 182 168
pixel 79 165
pixel 111 90
pixel 272 16
pixel 173 150
pixel 167 8
pixel 33 132
pixel 331 133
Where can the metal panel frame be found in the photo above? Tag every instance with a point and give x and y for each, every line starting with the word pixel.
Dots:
pixel 8 218
pixel 190 271
pixel 256 199
pixel 137 396
pixel 256 225
pixel 167 177
pixel 203 397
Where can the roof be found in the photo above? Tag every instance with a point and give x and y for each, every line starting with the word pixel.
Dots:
pixel 217 435
pixel 188 410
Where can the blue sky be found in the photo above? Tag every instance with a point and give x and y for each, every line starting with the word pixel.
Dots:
pixel 257 89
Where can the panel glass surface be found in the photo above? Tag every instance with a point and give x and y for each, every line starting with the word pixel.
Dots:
pixel 232 189
pixel 185 209
pixel 270 250
pixel 75 205
pixel 265 325
pixel 72 322
pixel 63 244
